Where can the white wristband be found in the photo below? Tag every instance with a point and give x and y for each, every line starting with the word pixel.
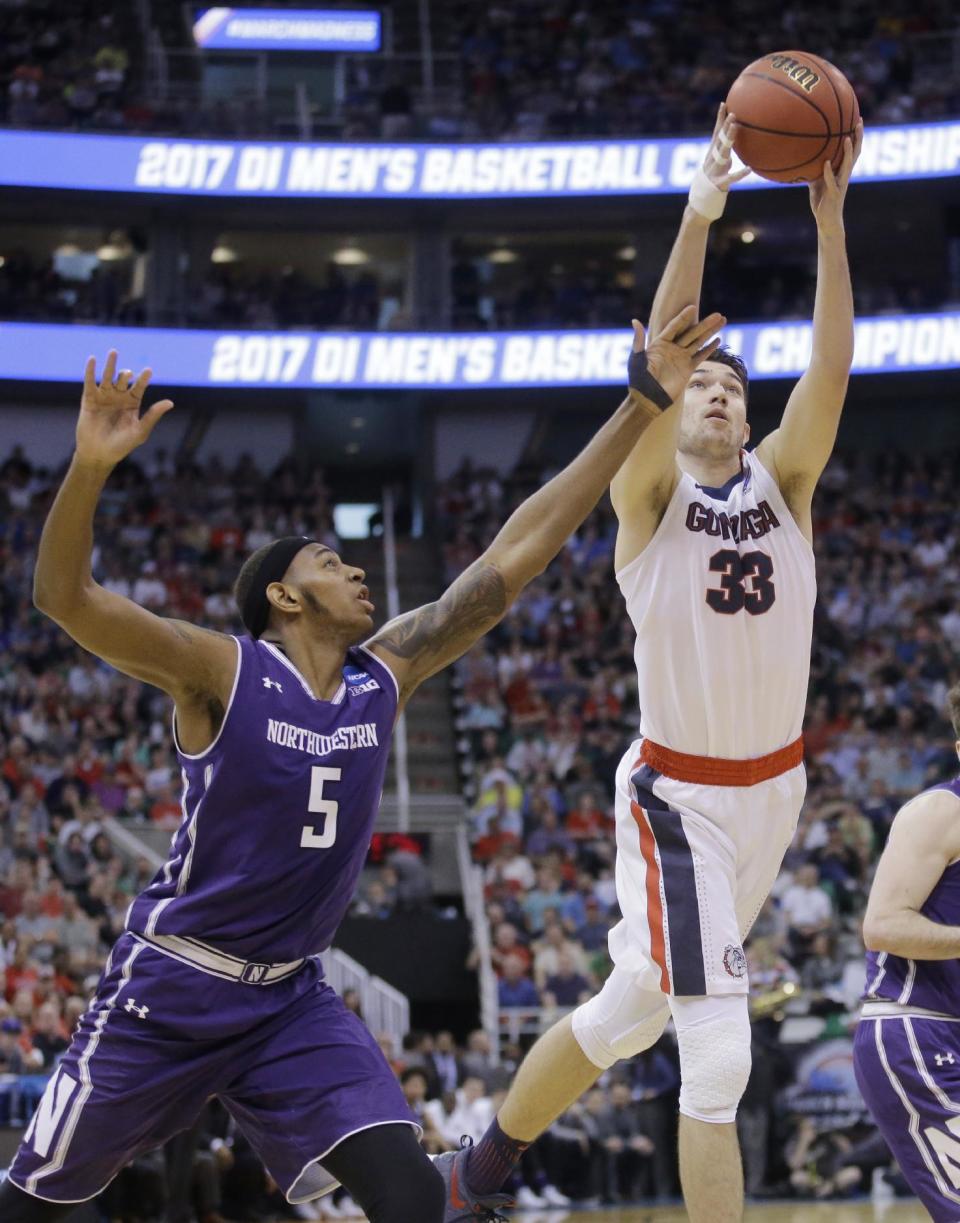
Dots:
pixel 707 199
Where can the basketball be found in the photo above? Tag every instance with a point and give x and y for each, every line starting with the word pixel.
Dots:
pixel 793 111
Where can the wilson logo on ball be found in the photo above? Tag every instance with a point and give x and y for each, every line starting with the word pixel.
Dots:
pixel 804 75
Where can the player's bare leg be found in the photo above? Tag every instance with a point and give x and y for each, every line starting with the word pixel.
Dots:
pixel 555 1073
pixel 713 1037
pixel 711 1173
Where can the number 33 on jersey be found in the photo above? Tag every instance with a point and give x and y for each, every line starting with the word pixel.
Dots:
pixel 724 591
pixel 277 812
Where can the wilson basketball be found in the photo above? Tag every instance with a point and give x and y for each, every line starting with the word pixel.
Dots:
pixel 793 111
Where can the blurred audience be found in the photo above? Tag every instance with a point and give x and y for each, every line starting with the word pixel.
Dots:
pixel 503 72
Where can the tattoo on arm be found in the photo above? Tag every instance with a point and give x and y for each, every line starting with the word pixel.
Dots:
pixel 438 633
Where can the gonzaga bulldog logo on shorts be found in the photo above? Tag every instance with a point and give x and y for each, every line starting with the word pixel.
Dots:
pixel 734 961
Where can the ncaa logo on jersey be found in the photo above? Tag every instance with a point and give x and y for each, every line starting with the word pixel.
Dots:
pixel 734 961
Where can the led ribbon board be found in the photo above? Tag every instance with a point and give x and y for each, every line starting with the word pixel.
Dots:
pixel 76 161
pixel 458 360
pixel 253 29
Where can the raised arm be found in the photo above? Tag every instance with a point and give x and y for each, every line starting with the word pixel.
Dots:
pixel 422 642
pixel 682 278
pixel 924 840
pixel 646 481
pixel 798 451
pixel 194 666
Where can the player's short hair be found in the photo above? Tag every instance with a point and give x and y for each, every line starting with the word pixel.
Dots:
pixel 724 356
pixel 953 708
pixel 248 571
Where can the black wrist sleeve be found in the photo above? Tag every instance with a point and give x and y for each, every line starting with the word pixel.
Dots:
pixel 643 382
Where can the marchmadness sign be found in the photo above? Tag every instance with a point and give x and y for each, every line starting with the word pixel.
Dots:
pixel 254 29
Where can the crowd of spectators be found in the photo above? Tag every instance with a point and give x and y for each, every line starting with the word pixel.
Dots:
pixel 597 292
pixel 548 700
pixel 569 69
pixel 230 297
pixel 65 65
pixel 32 289
pixel 750 284
pixel 521 71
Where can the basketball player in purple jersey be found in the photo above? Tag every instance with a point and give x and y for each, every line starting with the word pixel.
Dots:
pixel 907 1047
pixel 282 738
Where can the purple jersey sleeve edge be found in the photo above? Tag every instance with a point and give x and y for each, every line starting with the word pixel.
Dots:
pixel 226 713
pixel 377 659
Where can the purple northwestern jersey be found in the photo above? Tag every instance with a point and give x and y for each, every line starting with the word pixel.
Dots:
pixel 933 985
pixel 277 812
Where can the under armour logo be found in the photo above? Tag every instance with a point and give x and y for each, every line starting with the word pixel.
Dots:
pixel 940 1058
pixel 140 1011
pixel 271 683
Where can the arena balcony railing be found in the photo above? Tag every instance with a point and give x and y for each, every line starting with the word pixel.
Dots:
pixel 260 104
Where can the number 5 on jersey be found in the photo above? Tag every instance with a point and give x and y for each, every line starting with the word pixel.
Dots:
pixel 318 805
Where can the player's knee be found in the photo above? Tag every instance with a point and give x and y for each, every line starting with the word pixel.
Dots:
pixel 713 1036
pixel 417 1195
pixel 619 1022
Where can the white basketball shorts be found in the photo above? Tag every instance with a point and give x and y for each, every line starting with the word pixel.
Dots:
pixel 696 860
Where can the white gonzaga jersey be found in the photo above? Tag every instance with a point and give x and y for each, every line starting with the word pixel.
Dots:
pixel 722 603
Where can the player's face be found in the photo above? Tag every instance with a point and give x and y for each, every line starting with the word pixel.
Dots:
pixel 332 590
pixel 714 421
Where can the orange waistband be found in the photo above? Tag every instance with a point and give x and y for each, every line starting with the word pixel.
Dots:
pixel 715 771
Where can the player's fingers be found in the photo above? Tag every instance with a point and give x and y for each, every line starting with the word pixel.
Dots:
pixel 639 336
pixel 123 379
pixel 705 328
pixel 858 140
pixel 109 369
pixel 142 382
pixel 90 376
pixel 679 323
pixel 736 176
pixel 153 415
pixel 705 353
pixel 847 164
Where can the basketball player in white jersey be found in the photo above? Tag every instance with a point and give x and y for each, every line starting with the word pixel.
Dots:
pixel 715 561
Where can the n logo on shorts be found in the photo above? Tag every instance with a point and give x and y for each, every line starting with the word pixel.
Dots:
pixel 50 1112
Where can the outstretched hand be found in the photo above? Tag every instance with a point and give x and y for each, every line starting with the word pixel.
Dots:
pixel 828 192
pixel 110 425
pixel 675 353
pixel 717 165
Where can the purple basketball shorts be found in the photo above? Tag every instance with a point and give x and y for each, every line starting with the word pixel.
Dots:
pixel 297 1070
pixel 908 1070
